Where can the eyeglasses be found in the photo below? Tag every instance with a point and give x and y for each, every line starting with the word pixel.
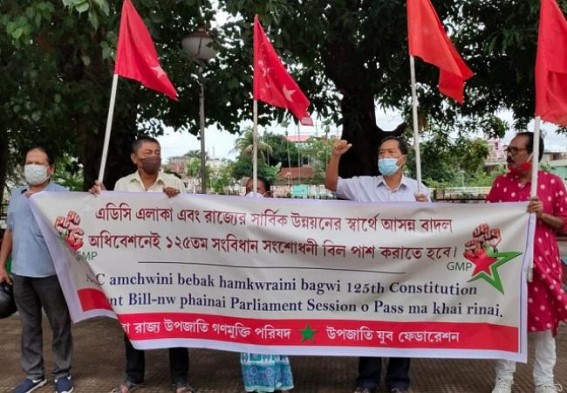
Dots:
pixel 514 150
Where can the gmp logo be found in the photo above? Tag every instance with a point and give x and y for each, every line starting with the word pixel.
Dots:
pixel 463 266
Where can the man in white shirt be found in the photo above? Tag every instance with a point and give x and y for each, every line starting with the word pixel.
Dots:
pixel 391 186
pixel 146 155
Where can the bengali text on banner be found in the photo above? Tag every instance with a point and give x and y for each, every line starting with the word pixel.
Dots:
pixel 296 276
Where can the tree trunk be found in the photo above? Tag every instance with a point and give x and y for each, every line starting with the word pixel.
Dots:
pixel 118 163
pixel 360 129
pixel 91 127
pixel 344 65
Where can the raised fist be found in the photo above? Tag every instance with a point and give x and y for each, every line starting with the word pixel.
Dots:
pixel 483 236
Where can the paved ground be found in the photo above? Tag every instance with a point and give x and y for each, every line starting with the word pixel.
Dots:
pixel 99 363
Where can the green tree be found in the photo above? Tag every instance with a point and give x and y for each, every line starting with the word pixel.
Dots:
pixel 62 61
pixel 450 162
pixel 69 173
pixel 244 145
pixel 350 57
pixel 194 167
pixel 221 179
pixel 283 152
pixel 470 154
pixel 319 152
pixel 194 153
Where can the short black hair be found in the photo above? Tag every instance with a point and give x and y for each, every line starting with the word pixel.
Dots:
pixel 402 144
pixel 138 142
pixel 530 144
pixel 50 159
pixel 266 182
pixel 267 185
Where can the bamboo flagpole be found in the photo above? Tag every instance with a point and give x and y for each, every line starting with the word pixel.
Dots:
pixel 108 129
pixel 273 85
pixel 255 150
pixel 428 40
pixel 535 156
pixel 137 59
pixel 535 169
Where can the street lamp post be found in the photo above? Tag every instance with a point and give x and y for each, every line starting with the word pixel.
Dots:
pixel 197 45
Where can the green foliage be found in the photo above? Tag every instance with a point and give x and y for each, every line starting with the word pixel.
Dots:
pixel 242 169
pixel 319 151
pixel 271 172
pixel 485 179
pixel 244 145
pixel 283 152
pixel 220 180
pixel 194 166
pixel 193 153
pixel 69 173
pixel 56 66
pixel 447 161
pixel 274 152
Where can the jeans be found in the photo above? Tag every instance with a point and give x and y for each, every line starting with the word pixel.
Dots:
pixel 545 358
pixel 370 369
pixel 31 295
pixel 136 364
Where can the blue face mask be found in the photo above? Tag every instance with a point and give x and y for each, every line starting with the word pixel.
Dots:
pixel 388 166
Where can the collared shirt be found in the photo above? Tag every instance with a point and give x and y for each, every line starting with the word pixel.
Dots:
pixel 375 189
pixel 133 183
pixel 30 256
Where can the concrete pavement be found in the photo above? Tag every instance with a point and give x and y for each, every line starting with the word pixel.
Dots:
pixel 99 363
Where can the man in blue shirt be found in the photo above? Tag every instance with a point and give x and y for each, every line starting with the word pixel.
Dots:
pixel 36 285
pixel 391 186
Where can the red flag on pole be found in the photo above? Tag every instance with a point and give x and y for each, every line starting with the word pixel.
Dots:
pixel 427 39
pixel 551 64
pixel 272 83
pixel 136 56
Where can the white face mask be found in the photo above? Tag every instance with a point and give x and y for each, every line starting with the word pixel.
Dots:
pixel 257 195
pixel 35 174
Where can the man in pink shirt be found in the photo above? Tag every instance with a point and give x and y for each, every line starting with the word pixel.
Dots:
pixel 547 302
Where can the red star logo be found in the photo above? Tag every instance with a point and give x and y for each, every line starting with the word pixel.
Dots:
pixel 481 261
pixel 487 262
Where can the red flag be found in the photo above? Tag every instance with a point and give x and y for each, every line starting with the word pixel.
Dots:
pixel 136 56
pixel 428 40
pixel 551 64
pixel 272 82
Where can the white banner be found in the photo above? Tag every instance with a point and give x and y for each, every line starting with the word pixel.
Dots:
pixel 296 277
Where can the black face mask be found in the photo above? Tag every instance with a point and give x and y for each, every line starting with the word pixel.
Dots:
pixel 151 165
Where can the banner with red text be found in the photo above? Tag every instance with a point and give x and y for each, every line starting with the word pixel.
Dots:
pixel 289 276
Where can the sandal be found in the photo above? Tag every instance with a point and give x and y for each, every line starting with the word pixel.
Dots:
pixel 127 387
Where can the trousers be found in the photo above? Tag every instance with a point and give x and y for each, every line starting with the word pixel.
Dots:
pixel 136 364
pixel 33 294
pixel 370 368
pixel 545 358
